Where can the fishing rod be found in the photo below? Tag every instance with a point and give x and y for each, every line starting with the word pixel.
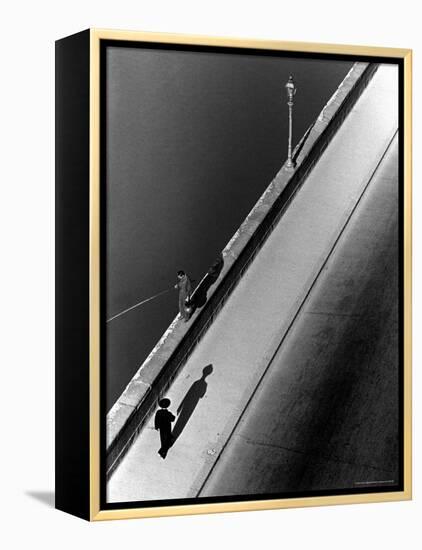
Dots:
pixel 139 304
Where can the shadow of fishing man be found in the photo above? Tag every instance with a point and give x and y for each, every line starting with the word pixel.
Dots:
pixel 200 296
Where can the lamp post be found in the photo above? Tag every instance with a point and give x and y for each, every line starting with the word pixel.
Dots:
pixel 291 91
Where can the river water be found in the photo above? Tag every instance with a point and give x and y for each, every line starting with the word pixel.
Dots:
pixel 193 140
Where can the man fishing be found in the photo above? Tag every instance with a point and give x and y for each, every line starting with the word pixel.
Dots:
pixel 185 287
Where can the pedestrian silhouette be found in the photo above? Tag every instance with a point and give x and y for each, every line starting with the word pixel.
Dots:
pixel 162 422
pixel 190 401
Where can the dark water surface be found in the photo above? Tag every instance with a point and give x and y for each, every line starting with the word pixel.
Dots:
pixel 193 140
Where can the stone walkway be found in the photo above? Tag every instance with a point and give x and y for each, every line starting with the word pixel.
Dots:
pixel 325 415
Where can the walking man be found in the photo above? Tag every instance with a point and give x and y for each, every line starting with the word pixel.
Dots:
pixel 184 286
pixel 162 422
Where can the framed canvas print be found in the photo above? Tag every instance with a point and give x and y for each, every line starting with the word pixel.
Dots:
pixel 233 244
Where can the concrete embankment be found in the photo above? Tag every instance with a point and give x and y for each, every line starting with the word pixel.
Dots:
pixel 155 376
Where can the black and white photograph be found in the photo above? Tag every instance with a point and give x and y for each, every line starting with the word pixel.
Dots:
pixel 251 274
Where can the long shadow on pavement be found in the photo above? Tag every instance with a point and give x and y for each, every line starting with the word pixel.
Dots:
pixel 199 297
pixel 190 401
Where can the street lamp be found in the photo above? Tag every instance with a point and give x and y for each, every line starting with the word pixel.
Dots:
pixel 291 91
